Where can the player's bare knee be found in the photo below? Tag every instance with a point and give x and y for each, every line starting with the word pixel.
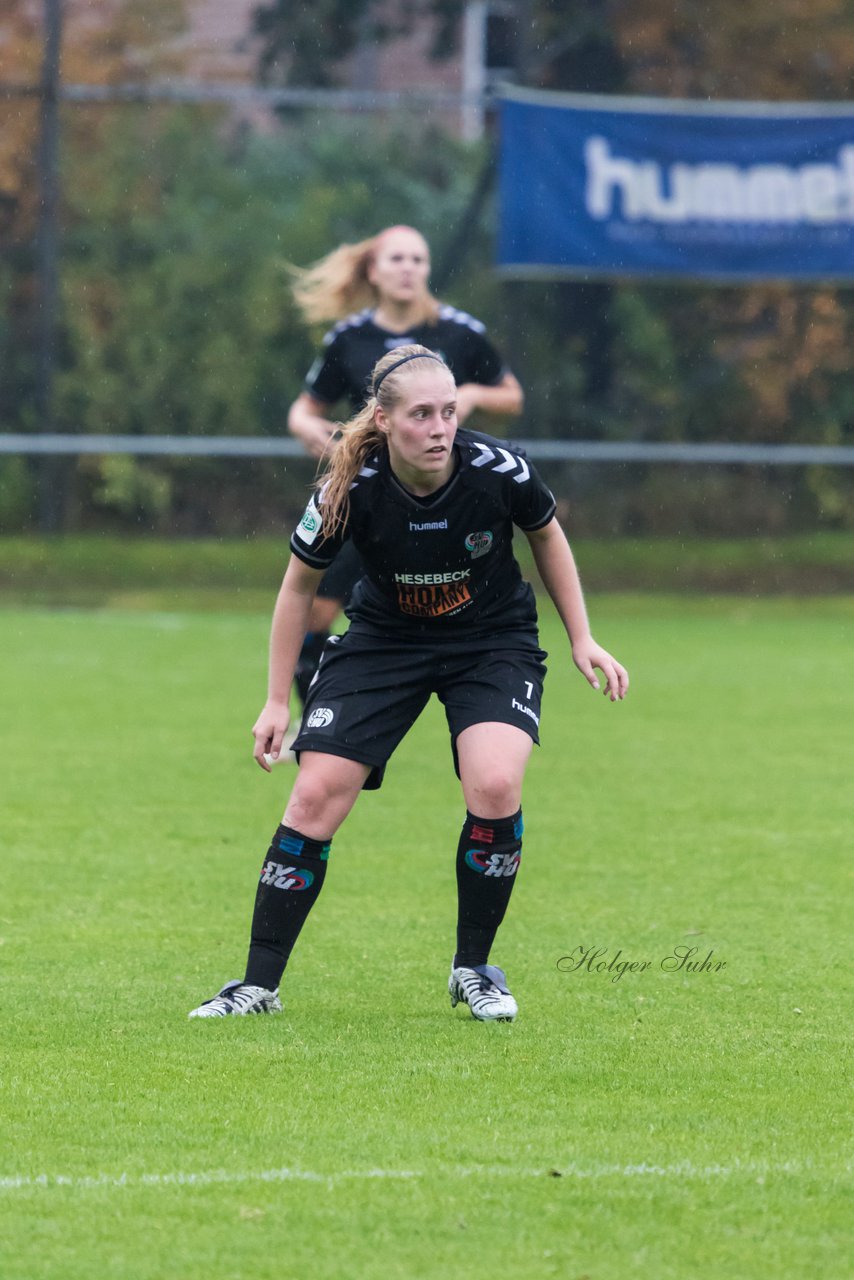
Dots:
pixel 310 803
pixel 496 795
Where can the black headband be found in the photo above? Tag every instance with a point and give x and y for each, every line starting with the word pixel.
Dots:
pixel 419 355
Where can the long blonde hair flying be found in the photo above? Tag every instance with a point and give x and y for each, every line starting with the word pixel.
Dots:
pixel 361 436
pixel 338 284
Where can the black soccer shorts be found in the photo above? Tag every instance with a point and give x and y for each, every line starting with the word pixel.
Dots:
pixel 369 691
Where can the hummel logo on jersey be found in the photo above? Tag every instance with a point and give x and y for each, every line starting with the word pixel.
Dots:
pixel 281 877
pixel 320 718
pixel 506 462
pixel 427 526
pixel 493 864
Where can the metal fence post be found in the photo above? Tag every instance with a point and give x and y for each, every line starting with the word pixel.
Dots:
pixel 53 469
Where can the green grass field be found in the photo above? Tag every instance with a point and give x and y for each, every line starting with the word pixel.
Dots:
pixel 671 1125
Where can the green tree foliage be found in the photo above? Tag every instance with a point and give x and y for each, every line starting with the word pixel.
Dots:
pixel 660 361
pixel 307 44
pixel 303 44
pixel 178 236
pixel 177 317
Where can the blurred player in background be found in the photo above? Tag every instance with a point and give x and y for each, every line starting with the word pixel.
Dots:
pixel 377 291
pixel 441 608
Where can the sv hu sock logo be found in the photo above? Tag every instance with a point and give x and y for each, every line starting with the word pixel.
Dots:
pixel 281 877
pixel 493 864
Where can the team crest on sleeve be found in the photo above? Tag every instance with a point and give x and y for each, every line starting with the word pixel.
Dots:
pixel 309 527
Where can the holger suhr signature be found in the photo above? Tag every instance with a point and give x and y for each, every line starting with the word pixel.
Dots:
pixel 681 959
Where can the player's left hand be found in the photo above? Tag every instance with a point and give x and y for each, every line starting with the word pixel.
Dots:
pixel 588 655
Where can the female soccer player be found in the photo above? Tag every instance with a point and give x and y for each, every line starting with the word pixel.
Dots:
pixel 377 291
pixel 442 609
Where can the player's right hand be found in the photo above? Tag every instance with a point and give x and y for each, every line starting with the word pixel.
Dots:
pixel 269 730
pixel 315 434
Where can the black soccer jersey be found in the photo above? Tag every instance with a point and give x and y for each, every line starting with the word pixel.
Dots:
pixel 441 566
pixel 343 369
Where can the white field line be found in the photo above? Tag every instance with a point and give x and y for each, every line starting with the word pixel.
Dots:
pixel 227 1177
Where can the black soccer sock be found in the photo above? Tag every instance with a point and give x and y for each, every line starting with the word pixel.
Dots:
pixel 307 662
pixel 487 860
pixel 291 879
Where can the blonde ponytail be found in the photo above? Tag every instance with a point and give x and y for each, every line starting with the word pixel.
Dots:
pixel 338 284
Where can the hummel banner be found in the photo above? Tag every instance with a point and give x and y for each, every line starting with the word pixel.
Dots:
pixel 599 186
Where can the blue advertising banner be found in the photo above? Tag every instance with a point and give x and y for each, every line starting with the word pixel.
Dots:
pixel 592 186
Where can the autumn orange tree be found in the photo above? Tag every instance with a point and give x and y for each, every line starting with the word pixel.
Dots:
pixel 175 314
pixel 784 349
pixel 20 44
pixel 107 43
pixel 764 362
pixel 114 41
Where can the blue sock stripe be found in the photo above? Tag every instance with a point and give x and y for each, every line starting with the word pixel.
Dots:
pixel 295 847
pixel 291 845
